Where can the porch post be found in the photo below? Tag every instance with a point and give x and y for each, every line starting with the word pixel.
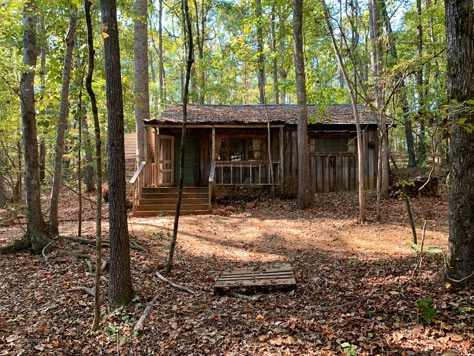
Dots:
pixel 213 152
pixel 281 156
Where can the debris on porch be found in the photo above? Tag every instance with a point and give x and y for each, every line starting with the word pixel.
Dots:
pixel 276 276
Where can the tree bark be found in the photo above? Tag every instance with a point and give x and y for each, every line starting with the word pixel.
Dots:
pixel 120 284
pixel 98 155
pixel 142 98
pixel 36 235
pixel 305 196
pixel 276 90
pixel 419 84
pixel 261 56
pixel 460 65
pixel 61 126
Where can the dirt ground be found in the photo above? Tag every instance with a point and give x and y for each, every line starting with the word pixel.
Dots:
pixel 357 285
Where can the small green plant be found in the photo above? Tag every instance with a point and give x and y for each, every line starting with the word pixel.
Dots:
pixel 349 349
pixel 429 250
pixel 160 235
pixel 425 306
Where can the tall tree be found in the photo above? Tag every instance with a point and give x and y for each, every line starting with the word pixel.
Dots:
pixel 460 58
pixel 189 63
pixel 376 61
pixel 120 285
pixel 142 97
pixel 36 236
pixel 419 84
pixel 261 56
pixel 355 110
pixel 61 125
pixel 98 161
pixel 305 196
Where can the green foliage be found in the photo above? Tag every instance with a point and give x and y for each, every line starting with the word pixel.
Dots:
pixel 349 349
pixel 425 306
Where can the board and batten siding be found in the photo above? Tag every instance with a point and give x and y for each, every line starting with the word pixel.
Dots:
pixel 332 171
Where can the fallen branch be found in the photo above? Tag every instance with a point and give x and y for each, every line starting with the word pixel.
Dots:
pixel 83 289
pixel 141 321
pixel 174 285
pixel 133 244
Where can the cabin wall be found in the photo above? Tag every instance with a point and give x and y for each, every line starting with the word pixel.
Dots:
pixel 331 169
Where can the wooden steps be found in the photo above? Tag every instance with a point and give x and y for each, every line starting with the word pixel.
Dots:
pixel 162 201
pixel 273 276
pixel 130 140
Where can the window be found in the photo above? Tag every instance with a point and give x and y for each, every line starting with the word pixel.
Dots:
pixel 332 144
pixel 240 148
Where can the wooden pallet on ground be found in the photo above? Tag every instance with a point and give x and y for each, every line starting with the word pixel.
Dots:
pixel 274 276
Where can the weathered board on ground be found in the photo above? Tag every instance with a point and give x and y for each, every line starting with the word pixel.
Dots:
pixel 262 277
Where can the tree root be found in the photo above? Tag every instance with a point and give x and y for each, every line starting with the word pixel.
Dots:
pixel 17 246
pixel 174 285
pixel 86 290
pixel 139 325
pixel 133 244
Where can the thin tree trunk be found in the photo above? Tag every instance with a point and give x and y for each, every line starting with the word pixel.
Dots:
pixel 460 65
pixel 88 159
pixel 142 97
pixel 189 64
pixel 355 111
pixel 419 84
pixel 161 68
pixel 276 90
pixel 120 284
pixel 261 56
pixel 61 126
pixel 305 196
pixel 98 160
pixel 402 92
pixel 79 160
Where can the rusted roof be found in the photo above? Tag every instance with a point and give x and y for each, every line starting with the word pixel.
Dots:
pixel 254 114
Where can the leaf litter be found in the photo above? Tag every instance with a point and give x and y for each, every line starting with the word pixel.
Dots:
pixel 356 286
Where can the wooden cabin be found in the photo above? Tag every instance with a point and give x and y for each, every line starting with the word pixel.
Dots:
pixel 249 145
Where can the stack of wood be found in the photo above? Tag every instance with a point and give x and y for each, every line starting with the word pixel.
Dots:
pixel 412 187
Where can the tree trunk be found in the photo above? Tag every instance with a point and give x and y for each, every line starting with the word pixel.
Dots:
pixel 376 60
pixel 460 65
pixel 355 111
pixel 305 196
pixel 189 63
pixel 276 90
pixel 402 92
pixel 98 154
pixel 261 56
pixel 120 284
pixel 62 123
pixel 142 98
pixel 36 235
pixel 420 90
pixel 161 68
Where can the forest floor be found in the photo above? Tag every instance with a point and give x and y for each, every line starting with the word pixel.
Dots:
pixel 357 285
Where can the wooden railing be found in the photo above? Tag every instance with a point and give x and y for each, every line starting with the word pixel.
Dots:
pixel 246 173
pixel 144 177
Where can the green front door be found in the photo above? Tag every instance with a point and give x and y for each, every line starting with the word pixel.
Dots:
pixel 190 161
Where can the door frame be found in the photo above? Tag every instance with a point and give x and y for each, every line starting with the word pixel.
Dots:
pixel 159 161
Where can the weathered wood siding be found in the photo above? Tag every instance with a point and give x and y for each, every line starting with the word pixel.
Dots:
pixel 331 171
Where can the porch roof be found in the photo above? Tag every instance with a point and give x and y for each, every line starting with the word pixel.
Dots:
pixel 257 114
